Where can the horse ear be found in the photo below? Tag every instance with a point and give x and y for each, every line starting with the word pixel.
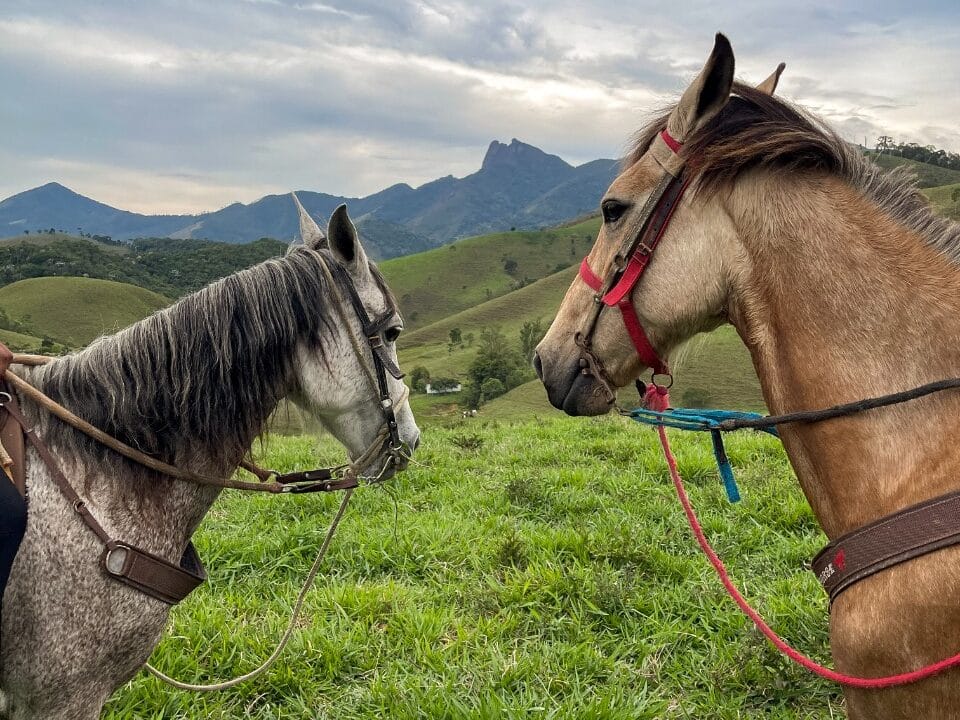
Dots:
pixel 769 86
pixel 707 94
pixel 344 241
pixel 310 233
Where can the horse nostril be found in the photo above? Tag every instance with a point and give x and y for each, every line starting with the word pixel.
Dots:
pixel 538 365
pixel 416 441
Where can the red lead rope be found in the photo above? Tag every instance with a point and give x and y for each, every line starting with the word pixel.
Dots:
pixel 814 667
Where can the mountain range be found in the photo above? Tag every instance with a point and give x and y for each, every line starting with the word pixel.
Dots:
pixel 517 186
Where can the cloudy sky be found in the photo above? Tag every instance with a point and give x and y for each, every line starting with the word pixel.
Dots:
pixel 188 105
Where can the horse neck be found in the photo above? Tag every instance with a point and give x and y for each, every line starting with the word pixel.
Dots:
pixel 132 502
pixel 839 302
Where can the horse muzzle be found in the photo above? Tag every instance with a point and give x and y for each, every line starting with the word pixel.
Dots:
pixel 573 388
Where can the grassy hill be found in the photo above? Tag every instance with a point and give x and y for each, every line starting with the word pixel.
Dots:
pixel 428 346
pixel 76 310
pixel 942 199
pixel 438 283
pixel 927 175
pixel 18 342
pixel 47 238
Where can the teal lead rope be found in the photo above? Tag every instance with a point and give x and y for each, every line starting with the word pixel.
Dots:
pixel 703 420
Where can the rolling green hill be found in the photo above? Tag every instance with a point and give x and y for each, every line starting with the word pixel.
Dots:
pixel 18 342
pixel 76 310
pixel 435 284
pixel 945 200
pixel 927 175
pixel 428 346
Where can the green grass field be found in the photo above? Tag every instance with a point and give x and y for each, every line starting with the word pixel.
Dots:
pixel 75 310
pixel 519 570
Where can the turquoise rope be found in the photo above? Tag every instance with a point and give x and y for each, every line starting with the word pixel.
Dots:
pixel 703 420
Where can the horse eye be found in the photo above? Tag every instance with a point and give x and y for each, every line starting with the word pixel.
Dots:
pixel 391 334
pixel 613 210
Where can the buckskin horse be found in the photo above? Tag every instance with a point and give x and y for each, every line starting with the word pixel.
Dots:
pixel 191 386
pixel 843 285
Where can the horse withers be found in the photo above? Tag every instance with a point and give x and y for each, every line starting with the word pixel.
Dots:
pixel 193 386
pixel 843 285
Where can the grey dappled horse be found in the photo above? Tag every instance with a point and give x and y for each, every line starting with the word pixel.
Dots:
pixel 192 385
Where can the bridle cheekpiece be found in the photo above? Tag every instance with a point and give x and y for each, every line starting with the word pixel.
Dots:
pixel 630 262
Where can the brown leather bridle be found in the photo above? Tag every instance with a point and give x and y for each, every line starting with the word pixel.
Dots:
pixel 629 264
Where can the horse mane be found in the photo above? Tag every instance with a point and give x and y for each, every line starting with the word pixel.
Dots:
pixel 757 131
pixel 196 381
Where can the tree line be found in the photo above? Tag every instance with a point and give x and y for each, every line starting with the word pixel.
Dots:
pixel 921 153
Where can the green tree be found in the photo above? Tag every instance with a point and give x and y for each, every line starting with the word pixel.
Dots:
pixel 498 358
pixel 444 384
pixel 419 377
pixel 531 334
pixel 491 388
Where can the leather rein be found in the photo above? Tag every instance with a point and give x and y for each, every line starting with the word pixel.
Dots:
pixel 154 575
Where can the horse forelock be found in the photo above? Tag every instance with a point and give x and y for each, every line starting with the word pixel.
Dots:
pixel 197 380
pixel 758 131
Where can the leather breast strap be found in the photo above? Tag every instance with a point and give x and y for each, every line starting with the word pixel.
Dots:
pixel 893 539
pixel 12 450
pixel 148 573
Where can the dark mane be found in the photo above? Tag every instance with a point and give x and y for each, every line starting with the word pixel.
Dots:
pixel 198 379
pixel 757 131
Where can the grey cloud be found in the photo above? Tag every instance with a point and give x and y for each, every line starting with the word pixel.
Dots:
pixel 351 96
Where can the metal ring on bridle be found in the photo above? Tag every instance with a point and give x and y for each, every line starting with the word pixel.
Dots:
pixel 655 375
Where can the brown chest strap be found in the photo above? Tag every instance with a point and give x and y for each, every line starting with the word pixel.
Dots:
pixel 12 449
pixel 148 573
pixel 11 438
pixel 893 539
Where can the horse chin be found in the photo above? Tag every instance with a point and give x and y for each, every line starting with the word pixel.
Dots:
pixel 587 396
pixel 385 467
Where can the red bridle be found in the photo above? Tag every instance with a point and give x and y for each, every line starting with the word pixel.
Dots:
pixel 633 261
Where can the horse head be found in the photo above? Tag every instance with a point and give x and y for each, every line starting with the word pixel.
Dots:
pixel 354 385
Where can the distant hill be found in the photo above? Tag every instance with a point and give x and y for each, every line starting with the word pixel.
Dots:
pixel 76 310
pixel 517 186
pixel 18 342
pixel 928 176
pixel 438 283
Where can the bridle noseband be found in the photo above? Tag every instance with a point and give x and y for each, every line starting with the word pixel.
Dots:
pixel 630 262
